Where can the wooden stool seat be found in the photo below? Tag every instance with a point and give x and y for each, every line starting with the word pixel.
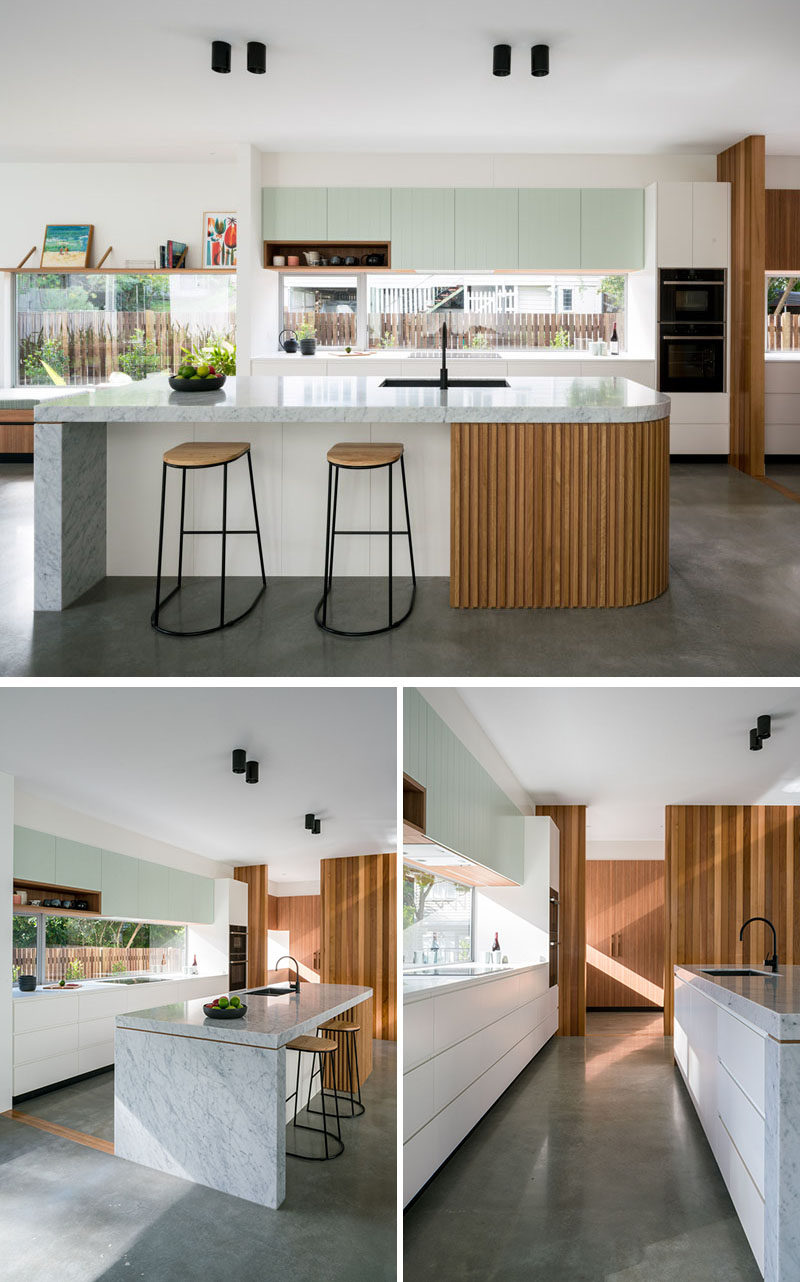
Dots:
pixel 316 1045
pixel 205 453
pixel 340 1026
pixel 363 454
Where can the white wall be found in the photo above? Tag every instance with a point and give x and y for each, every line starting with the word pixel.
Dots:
pixel 6 889
pixel 624 850
pixel 293 887
pixel 521 914
pixel 49 816
pixel 783 171
pixel 210 942
pixel 454 712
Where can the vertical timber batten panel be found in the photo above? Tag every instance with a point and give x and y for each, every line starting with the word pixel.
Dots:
pixel 571 824
pixel 723 865
pixel 256 876
pixel 743 166
pixel 558 514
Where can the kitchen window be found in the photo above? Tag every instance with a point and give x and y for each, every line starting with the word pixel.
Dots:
pixel 437 919
pixel 76 948
pixel 782 321
pixel 325 308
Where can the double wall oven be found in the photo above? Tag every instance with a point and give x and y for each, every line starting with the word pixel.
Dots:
pixel 237 958
pixel 691 330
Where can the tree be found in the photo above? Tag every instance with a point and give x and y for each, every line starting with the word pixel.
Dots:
pixel 416 888
pixel 778 290
pixel 613 291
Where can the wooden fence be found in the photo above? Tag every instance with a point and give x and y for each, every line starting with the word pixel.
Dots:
pixel 783 332
pixel 93 341
pixel 470 331
pixel 95 962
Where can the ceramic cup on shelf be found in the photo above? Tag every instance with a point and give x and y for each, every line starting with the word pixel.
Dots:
pixel 279 261
pixel 293 261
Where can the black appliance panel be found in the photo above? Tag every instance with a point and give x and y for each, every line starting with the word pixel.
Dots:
pixel 691 358
pixel 693 296
pixel 237 975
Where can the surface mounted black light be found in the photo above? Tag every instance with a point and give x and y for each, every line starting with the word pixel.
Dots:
pixel 540 60
pixel 316 827
pixel 238 760
pixel 309 822
pixel 501 60
pixel 764 726
pixel 755 741
pixel 251 772
pixel 256 57
pixel 220 56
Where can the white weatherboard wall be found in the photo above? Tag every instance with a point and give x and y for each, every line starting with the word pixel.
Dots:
pixel 521 915
pixel 6 888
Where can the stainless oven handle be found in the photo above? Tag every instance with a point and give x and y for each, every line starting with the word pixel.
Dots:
pixel 689 338
pixel 694 282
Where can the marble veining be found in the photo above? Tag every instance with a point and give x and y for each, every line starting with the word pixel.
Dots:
pixel 771 1004
pixel 69 512
pixel 265 399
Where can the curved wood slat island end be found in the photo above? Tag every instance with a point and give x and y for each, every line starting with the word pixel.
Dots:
pixel 565 514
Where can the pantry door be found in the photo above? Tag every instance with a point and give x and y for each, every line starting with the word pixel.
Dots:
pixel 624 933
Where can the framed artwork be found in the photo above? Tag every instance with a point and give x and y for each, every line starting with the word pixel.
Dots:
pixel 219 239
pixel 67 245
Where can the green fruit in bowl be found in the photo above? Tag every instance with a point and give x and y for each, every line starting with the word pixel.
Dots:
pixel 224 1003
pixel 235 1002
pixel 202 371
pixel 186 371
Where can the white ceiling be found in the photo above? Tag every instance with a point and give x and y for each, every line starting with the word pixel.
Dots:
pixel 158 761
pixel 122 82
pixel 628 752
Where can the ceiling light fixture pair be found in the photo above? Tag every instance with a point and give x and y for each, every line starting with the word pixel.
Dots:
pixel 540 60
pixel 241 766
pixel 313 824
pixel 761 730
pixel 221 57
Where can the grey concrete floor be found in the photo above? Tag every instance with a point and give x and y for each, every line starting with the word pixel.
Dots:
pixel 86 1106
pixel 592 1167
pixel 732 609
pixel 72 1214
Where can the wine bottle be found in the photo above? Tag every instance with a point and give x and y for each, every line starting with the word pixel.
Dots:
pixel 614 344
pixel 496 944
pixel 195 967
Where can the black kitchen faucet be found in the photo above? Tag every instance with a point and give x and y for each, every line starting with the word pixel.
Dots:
pixel 768 961
pixel 443 376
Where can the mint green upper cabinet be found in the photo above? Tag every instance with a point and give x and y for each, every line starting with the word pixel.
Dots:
pixel 120 885
pixel 153 891
pixel 34 856
pixel 486 228
pixel 550 228
pixel 181 896
pixel 202 899
pixel 612 228
pixel 415 731
pixel 77 865
pixel 423 227
pixel 294 213
pixel 359 213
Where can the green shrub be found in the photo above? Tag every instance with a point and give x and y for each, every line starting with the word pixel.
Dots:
pixel 48 350
pixel 75 970
pixel 140 357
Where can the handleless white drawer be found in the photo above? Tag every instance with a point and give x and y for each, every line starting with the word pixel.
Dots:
pixel 34 1013
pixel 91 1032
pixel 94 1057
pixel 417 1098
pixel 744 1125
pixel 32 1077
pixel 742 1050
pixel 95 1005
pixel 746 1198
pixel 50 1041
pixel 417 1032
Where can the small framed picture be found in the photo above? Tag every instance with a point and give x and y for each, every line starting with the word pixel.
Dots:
pixel 67 245
pixel 219 239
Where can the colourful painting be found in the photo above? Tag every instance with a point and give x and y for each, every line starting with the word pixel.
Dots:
pixel 67 245
pixel 219 240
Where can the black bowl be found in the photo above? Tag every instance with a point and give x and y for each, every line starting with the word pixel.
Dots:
pixel 196 384
pixel 228 1012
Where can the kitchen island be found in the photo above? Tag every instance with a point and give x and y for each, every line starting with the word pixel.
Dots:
pixel 551 491
pixel 205 1099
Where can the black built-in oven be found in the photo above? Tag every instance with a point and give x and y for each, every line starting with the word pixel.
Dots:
pixel 691 358
pixel 237 958
pixel 691 296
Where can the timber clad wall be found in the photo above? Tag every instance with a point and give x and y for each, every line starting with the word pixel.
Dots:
pixel 723 865
pixel 625 932
pixel 257 878
pixel 571 824
pixel 300 915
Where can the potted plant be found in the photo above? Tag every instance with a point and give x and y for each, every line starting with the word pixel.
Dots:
pixel 308 341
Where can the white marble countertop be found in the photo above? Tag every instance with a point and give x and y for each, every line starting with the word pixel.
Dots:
pixel 771 1004
pixel 103 986
pixel 419 987
pixel 460 357
pixel 264 399
pixel 27 398
pixel 270 1021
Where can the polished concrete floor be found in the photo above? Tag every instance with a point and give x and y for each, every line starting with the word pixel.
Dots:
pixel 71 1214
pixel 732 609
pixel 592 1167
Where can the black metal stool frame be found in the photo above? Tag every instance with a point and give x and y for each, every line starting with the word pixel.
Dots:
pixel 329 1135
pixel 351 1097
pixel 223 623
pixel 330 538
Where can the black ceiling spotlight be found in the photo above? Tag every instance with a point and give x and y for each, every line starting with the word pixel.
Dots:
pixel 312 824
pixel 251 772
pixel 238 760
pixel 540 60
pixel 256 57
pixel 761 730
pixel 755 741
pixel 220 57
pixel 316 827
pixel 501 60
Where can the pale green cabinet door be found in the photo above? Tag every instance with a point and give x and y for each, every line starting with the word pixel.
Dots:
pixel 612 228
pixel 415 731
pixel 120 888
pixel 294 213
pixel 550 228
pixel 487 228
pixel 153 891
pixel 202 899
pixel 359 213
pixel 34 856
pixel 77 865
pixel 181 897
pixel 423 228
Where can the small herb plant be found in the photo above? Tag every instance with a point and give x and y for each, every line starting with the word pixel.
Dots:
pixel 388 339
pixel 479 341
pixel 305 330
pixel 75 970
pixel 218 352
pixel 561 339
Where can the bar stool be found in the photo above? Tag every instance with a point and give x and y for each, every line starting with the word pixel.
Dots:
pixel 194 455
pixel 348 1030
pixel 361 457
pixel 317 1048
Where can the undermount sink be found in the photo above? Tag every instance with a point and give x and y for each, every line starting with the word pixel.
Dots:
pixel 765 974
pixel 451 382
pixel 274 990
